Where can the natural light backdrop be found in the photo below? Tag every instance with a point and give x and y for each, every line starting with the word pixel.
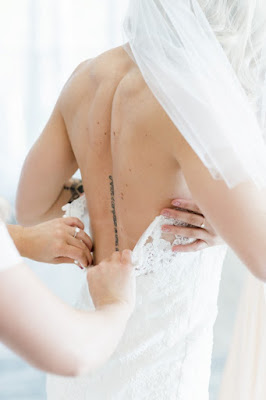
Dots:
pixel 41 43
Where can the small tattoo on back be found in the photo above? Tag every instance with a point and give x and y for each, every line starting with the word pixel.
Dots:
pixel 75 186
pixel 112 193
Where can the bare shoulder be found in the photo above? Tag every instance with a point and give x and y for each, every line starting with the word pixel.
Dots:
pixel 90 74
pixel 112 64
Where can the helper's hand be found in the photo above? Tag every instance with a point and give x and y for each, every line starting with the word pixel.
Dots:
pixel 187 211
pixel 57 242
pixel 113 282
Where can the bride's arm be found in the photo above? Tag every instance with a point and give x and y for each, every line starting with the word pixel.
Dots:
pixel 48 166
pixel 53 336
pixel 238 215
pixel 45 180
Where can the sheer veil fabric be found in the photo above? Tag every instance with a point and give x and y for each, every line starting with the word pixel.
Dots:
pixel 186 68
pixel 190 74
pixel 188 71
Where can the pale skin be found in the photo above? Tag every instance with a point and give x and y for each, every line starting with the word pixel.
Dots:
pixel 111 285
pixel 56 241
pixel 107 159
pixel 187 211
pixel 57 338
pixel 91 336
pixel 53 242
pixel 133 163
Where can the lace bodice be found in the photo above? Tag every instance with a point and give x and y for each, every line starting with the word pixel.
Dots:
pixel 165 353
pixel 152 244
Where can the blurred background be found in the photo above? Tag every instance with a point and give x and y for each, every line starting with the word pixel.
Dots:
pixel 41 43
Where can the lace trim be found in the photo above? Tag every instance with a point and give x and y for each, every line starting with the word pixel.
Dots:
pixel 153 247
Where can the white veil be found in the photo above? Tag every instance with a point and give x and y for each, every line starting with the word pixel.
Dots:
pixel 189 73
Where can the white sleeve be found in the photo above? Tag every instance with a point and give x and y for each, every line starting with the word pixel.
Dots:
pixel 9 255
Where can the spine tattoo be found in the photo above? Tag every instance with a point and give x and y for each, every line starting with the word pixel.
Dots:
pixel 112 192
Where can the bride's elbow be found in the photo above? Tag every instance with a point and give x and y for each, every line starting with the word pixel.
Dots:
pixel 259 270
pixel 85 367
pixel 89 361
pixel 255 262
pixel 74 368
pixel 262 274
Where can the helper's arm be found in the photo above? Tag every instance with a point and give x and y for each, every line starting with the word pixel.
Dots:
pixel 57 338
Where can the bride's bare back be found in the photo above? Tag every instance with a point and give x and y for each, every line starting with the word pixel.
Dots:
pixel 133 161
pixel 124 144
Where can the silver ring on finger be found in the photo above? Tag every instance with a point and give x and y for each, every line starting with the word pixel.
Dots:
pixel 77 230
pixel 203 224
pixel 76 262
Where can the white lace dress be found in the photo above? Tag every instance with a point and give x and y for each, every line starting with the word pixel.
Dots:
pixel 165 353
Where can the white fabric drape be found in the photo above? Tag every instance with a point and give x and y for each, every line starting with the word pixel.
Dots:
pixel 190 75
pixel 244 377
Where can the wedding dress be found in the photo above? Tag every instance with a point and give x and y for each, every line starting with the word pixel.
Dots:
pixel 165 353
